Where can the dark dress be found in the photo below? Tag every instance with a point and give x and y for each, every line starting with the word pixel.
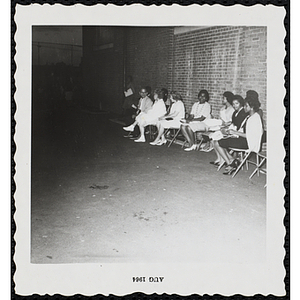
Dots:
pixel 238 118
pixel 236 142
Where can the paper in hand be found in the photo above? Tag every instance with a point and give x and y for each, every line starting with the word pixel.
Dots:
pixel 128 93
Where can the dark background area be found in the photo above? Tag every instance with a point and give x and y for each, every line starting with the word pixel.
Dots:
pixel 86 66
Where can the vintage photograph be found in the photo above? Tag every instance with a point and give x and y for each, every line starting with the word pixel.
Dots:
pixel 149 144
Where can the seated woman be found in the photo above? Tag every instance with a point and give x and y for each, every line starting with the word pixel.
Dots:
pixel 200 111
pixel 225 116
pixel 171 119
pixel 254 94
pixel 249 139
pixel 237 119
pixel 151 117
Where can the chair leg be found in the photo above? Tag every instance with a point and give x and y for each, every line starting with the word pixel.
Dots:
pixel 174 138
pixel 258 166
pixel 221 166
pixel 241 164
pixel 199 144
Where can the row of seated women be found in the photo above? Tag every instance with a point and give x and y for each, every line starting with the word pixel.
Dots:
pixel 239 124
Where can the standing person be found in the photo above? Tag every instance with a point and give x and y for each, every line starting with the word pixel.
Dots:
pixel 249 139
pixel 201 110
pixel 151 117
pixel 171 119
pixel 129 94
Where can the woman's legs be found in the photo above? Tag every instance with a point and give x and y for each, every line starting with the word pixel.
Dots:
pixel 130 127
pixel 219 158
pixel 160 129
pixel 142 132
pixel 188 134
pixel 223 153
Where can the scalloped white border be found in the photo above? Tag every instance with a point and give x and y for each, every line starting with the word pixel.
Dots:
pixel 90 279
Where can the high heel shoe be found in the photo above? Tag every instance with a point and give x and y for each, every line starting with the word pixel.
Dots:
pixel 229 170
pixel 235 163
pixel 193 147
pixel 161 143
pixel 155 143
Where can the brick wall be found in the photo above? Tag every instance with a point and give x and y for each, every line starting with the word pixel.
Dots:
pixel 149 56
pixel 216 58
pixel 220 59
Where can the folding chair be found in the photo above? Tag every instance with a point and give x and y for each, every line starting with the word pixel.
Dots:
pixel 198 141
pixel 176 132
pixel 259 161
pixel 261 158
pixel 152 131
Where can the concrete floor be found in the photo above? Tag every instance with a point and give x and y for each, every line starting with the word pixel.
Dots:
pixel 100 197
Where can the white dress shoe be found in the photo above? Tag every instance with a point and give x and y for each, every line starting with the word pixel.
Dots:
pixel 161 143
pixel 193 147
pixel 140 140
pixel 129 128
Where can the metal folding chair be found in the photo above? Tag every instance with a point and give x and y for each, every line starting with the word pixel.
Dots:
pixel 260 158
pixel 176 132
pixel 152 131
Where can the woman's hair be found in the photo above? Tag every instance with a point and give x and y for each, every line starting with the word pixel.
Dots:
pixel 148 89
pixel 253 103
pixel 176 96
pixel 252 94
pixel 165 94
pixel 159 93
pixel 229 96
pixel 206 94
pixel 238 98
pixel 252 100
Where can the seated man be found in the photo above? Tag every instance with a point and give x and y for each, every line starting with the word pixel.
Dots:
pixel 200 111
pixel 171 119
pixel 151 117
pixel 145 103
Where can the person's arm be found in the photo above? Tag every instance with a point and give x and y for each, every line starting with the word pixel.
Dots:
pixel 234 132
pixel 175 110
pixel 254 132
pixel 202 118
pixel 205 114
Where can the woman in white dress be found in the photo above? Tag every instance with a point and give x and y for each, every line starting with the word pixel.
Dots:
pixel 170 120
pixel 201 110
pixel 151 117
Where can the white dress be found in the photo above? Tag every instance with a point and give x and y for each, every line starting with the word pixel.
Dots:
pixel 178 110
pixel 151 117
pixel 198 110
